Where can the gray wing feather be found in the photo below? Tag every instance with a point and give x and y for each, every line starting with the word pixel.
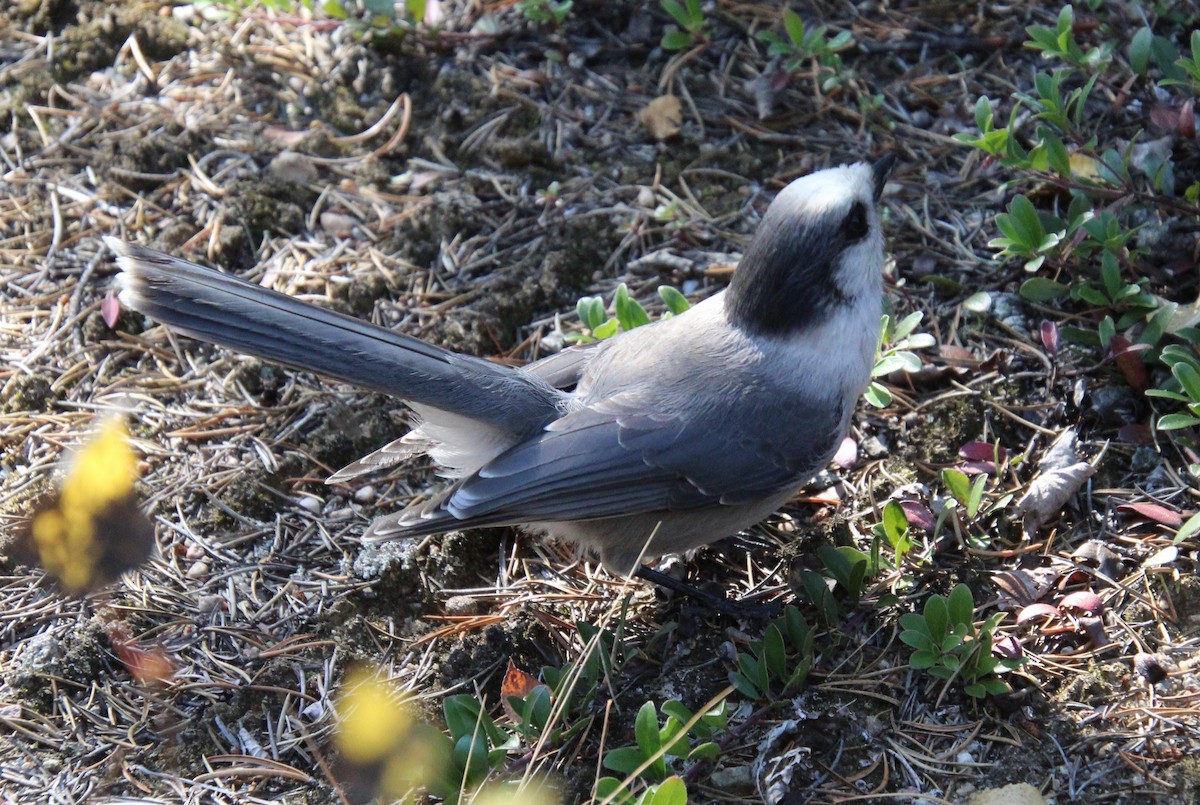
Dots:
pixel 599 463
pixel 224 310
pixel 563 369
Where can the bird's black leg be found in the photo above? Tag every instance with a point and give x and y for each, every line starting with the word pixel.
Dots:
pixel 724 606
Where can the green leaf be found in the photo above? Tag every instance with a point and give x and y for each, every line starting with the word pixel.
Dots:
pixel 962 605
pixel 912 622
pixel 922 659
pixel 382 8
pixel 1168 395
pixel 1029 225
pixel 1177 421
pixel 1188 529
pixel 996 687
pixel 606 330
pixel 590 310
pixel 983 114
pixel 645 729
pixel 1139 51
pixel 670 791
pixel 774 656
pixel 937 617
pixel 630 313
pixel 675 301
pixel 1110 274
pixel 976 495
pixel 1090 294
pixel 958 484
pixel 415 9
pixel 677 11
pixel 672 737
pixel 677 711
pixel 1056 154
pixel 1166 57
pixel 794 26
pixel 895 526
pixel 896 362
pixel 624 759
pixel 917 640
pixel 335 9
pixel 470 754
pixel 979 302
pixel 840 42
pixel 1041 289
pixel 462 714
pixel 878 396
pixel 676 40
pixel 705 751
pixel 744 686
pixel 537 707
pixel 610 788
pixel 1188 378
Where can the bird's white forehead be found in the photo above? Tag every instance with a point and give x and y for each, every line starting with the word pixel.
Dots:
pixel 830 189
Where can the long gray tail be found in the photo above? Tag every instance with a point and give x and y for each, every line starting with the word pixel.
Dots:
pixel 224 310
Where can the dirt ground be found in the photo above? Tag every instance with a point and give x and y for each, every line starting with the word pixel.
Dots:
pixel 467 188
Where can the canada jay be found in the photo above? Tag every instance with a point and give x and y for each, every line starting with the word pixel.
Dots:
pixel 658 440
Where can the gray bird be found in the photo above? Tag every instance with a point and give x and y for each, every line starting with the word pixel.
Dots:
pixel 658 440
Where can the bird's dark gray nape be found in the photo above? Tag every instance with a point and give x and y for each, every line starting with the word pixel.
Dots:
pixel 785 282
pixel 880 170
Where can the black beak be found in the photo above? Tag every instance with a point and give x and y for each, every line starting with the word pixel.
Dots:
pixel 880 171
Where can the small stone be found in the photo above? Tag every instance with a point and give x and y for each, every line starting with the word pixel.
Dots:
pixel 365 495
pixel 461 605
pixel 198 570
pixel 1015 794
pixel 873 447
pixel 1151 667
pixel 292 168
pixel 195 552
pixel 210 603
pixel 310 503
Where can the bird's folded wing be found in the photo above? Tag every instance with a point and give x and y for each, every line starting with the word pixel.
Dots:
pixel 622 457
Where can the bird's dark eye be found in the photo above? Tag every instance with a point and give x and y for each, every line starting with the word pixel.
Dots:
pixel 855 226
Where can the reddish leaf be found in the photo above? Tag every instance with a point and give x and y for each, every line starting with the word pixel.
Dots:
pixel 1094 629
pixel 1150 667
pixel 1154 512
pixel 1049 332
pixel 1009 648
pixel 847 454
pixel 516 683
pixel 918 514
pixel 110 309
pixel 982 451
pixel 1165 117
pixel 1082 601
pixel 148 666
pixel 1132 367
pixel 1136 433
pixel 953 353
pixel 1187 120
pixel 1037 612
